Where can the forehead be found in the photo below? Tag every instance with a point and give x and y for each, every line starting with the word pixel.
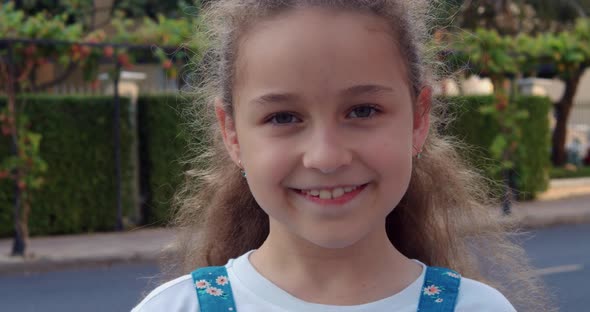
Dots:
pixel 315 51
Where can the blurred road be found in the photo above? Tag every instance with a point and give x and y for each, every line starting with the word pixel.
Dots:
pixel 561 253
pixel 117 288
pixel 563 256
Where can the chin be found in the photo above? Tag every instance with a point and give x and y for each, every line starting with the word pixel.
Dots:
pixel 332 242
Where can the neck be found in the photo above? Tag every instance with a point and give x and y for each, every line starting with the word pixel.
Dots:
pixel 324 275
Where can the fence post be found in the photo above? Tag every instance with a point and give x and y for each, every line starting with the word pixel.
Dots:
pixel 19 245
pixel 117 134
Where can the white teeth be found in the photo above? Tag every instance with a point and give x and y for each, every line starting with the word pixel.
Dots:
pixel 330 194
pixel 325 194
pixel 337 192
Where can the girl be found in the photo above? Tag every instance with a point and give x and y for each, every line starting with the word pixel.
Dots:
pixel 327 185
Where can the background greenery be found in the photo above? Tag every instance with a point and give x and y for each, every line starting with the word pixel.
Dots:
pixel 79 194
pixel 163 143
pixel 564 173
pixel 532 156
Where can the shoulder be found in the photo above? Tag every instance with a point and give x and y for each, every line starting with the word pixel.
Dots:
pixel 477 296
pixel 176 295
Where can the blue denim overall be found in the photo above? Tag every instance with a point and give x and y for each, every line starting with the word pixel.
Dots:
pixel 439 291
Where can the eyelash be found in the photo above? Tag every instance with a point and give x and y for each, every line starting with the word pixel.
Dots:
pixel 374 107
pixel 272 118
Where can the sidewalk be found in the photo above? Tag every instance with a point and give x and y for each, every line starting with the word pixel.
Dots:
pixel 567 202
pixel 62 252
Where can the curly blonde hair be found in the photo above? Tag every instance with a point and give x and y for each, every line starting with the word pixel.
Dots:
pixel 446 217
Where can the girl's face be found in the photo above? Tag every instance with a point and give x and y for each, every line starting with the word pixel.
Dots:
pixel 324 124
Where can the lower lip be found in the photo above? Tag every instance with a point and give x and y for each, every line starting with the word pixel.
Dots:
pixel 334 201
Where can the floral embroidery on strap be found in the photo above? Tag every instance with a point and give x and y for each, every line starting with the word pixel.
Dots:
pixel 434 292
pixel 451 274
pixel 213 289
pixel 440 290
pixel 204 287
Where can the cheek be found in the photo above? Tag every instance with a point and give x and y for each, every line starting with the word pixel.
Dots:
pixel 391 143
pixel 390 154
pixel 268 160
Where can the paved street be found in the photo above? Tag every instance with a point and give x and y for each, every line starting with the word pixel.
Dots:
pixel 562 253
pixel 91 290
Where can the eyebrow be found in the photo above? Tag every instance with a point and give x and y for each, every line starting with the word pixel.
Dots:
pixel 285 98
pixel 276 98
pixel 369 89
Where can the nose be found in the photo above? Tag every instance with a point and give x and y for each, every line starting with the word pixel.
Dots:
pixel 327 151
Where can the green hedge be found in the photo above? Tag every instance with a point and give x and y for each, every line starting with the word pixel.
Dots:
pixel 79 193
pixel 563 173
pixel 533 155
pixel 163 143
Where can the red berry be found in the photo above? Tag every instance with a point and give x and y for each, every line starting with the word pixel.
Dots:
pixel 124 60
pixel 85 51
pixel 108 51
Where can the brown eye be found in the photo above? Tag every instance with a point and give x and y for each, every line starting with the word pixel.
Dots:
pixel 363 111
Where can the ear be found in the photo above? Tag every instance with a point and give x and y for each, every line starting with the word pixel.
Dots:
pixel 228 130
pixel 422 119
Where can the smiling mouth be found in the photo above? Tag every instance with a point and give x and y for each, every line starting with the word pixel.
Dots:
pixel 332 193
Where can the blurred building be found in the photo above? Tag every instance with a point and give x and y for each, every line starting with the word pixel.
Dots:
pixel 578 137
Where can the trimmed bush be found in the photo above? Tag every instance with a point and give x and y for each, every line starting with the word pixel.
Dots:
pixel 163 141
pixel 563 173
pixel 533 154
pixel 79 194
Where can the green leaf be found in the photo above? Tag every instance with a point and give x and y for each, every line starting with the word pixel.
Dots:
pixel 498 146
pixel 488 110
pixel 521 115
pixel 507 164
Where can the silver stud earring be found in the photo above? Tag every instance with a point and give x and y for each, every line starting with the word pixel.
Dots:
pixel 419 154
pixel 242 171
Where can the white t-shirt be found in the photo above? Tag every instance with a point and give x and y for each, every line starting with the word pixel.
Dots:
pixel 254 293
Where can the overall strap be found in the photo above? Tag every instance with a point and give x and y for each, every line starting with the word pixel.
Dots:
pixel 440 290
pixel 213 289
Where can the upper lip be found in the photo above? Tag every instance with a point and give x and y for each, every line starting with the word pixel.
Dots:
pixel 332 187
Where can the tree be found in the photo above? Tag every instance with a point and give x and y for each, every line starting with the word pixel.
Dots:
pixel 84 11
pixel 566 51
pixel 571 53
pixel 506 16
pixel 516 16
pixel 77 48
